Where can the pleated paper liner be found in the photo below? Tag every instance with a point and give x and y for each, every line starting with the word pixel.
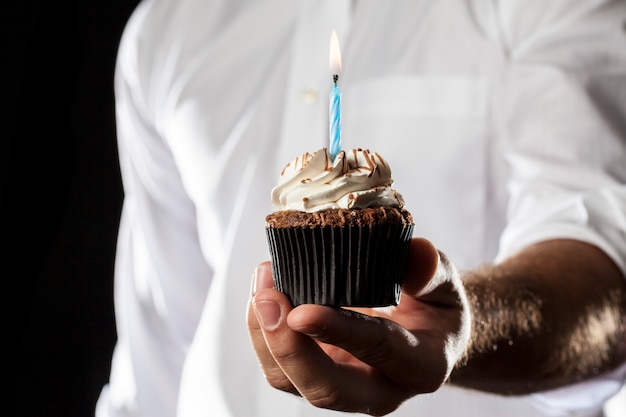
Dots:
pixel 351 266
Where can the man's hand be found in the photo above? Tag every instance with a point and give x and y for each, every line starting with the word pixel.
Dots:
pixel 364 360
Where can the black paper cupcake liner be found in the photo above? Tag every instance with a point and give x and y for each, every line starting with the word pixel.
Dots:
pixel 352 266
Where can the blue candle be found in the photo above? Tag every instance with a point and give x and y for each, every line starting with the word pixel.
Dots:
pixel 334 108
pixel 334 130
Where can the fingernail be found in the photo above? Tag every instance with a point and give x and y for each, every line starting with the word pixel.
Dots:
pixel 268 313
pixel 262 278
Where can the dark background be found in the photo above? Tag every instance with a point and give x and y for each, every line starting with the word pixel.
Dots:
pixel 60 202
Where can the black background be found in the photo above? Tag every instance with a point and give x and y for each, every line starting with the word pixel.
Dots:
pixel 60 202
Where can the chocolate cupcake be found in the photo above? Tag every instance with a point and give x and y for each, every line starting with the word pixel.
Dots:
pixel 341 233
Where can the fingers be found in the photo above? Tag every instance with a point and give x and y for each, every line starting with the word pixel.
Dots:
pixel 271 314
pixel 413 361
pixel 290 360
pixel 293 361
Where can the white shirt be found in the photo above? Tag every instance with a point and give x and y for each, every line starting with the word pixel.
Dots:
pixel 503 123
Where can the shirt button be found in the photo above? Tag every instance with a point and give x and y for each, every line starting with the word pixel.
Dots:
pixel 309 96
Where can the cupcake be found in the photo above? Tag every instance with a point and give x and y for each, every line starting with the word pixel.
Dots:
pixel 340 235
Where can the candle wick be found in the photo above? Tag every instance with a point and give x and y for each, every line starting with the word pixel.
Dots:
pixel 335 78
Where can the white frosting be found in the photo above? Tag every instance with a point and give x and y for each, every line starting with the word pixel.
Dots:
pixel 355 179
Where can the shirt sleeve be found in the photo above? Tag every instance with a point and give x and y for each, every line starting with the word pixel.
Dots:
pixel 161 275
pixel 564 124
pixel 563 118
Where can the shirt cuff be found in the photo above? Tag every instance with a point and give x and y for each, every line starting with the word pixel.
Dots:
pixel 581 398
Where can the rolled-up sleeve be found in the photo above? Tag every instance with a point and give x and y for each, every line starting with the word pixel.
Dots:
pixel 564 124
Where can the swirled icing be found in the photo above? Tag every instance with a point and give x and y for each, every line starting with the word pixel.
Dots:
pixel 354 179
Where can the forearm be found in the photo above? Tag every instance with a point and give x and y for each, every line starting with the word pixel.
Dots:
pixel 552 315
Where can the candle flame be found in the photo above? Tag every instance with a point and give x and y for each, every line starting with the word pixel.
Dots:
pixel 335 54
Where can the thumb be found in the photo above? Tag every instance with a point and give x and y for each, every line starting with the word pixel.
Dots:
pixel 421 265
